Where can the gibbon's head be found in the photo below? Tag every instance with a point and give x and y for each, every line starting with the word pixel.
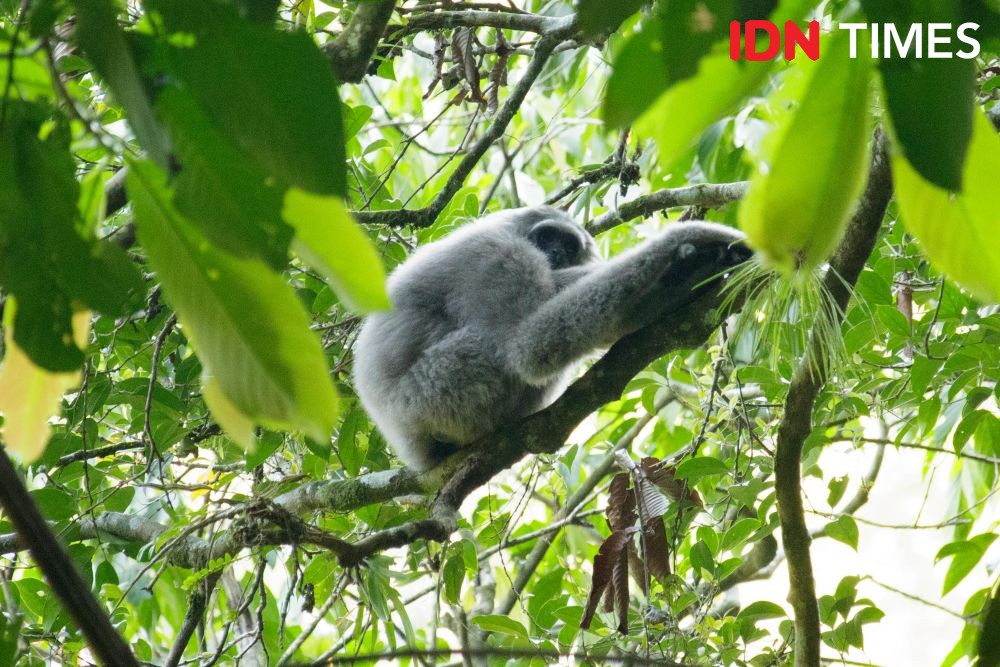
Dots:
pixel 560 238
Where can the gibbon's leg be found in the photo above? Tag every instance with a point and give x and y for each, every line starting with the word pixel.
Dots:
pixel 621 296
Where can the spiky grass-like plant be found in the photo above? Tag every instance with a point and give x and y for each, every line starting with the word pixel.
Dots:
pixel 790 316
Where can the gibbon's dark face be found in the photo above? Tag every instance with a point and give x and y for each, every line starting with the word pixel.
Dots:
pixel 564 243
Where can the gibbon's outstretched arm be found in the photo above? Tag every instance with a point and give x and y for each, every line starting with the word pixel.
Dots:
pixel 615 298
pixel 490 320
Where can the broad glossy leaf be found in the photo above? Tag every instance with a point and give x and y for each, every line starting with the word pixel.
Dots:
pixel 332 243
pixel 799 203
pixel 958 232
pixel 599 16
pixel 248 327
pixel 927 92
pixel 501 624
pixel 29 395
pixel 964 556
pixel 103 41
pixel 845 530
pixel 989 635
pixel 687 108
pixel 271 92
pixel 44 261
pixel 692 27
pixel 700 466
pixel 220 189
pixel 679 116
pixel 638 76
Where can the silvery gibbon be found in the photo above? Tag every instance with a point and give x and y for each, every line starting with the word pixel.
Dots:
pixel 490 322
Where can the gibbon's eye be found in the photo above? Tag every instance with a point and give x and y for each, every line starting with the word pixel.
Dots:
pixel 561 247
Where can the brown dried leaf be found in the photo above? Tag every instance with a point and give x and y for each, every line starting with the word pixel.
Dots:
pixel 656 549
pixel 607 557
pixel 462 51
pixel 498 78
pixel 619 583
pixel 621 503
pixel 662 475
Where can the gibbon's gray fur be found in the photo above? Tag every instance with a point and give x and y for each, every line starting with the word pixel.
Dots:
pixel 489 322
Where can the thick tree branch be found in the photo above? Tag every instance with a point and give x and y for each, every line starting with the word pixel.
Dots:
pixel 351 51
pixel 470 468
pixel 67 584
pixel 796 423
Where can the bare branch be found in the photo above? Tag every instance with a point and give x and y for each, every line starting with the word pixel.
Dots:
pixel 708 195
pixel 536 23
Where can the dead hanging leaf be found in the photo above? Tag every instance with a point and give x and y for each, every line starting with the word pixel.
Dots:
pixel 662 475
pixel 498 75
pixel 463 41
pixel 609 556
pixel 621 503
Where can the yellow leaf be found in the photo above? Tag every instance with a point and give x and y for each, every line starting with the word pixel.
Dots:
pixel 29 395
pixel 236 425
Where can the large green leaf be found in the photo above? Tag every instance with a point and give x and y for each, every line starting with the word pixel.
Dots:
pixel 271 92
pixel 44 261
pixel 964 556
pixel 638 76
pixel 692 27
pixel 600 16
pixel 329 240
pixel 105 44
pixel 219 189
pixel 687 108
pixel 958 232
pixel 798 205
pixel 248 327
pixel 30 396
pixel 989 635
pixel 927 92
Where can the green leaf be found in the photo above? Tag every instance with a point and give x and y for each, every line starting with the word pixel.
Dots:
pixel 966 428
pixel 44 261
pixel 700 466
pixel 637 77
pixel 219 189
pixel 31 396
pixel 597 17
pixel 54 504
pixel 759 611
pixel 692 27
pixel 988 648
pixel 248 327
pixel 329 240
pixel 501 624
pixel 893 320
pixel 964 556
pixel 271 92
pixel 692 105
pixel 350 452
pixel 796 212
pixel 105 44
pixel 687 108
pixel 453 574
pixel 922 93
pixel 845 530
pixel 739 532
pixel 958 232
